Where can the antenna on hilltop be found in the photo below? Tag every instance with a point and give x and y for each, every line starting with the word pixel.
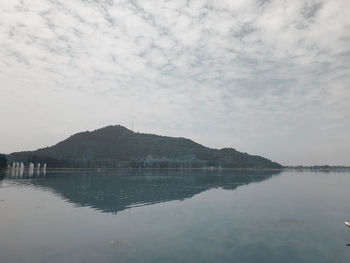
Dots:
pixel 132 125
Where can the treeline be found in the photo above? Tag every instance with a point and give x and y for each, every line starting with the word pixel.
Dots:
pixel 112 163
pixel 186 162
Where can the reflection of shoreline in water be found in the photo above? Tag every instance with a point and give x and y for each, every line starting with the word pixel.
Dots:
pixel 116 190
pixel 23 173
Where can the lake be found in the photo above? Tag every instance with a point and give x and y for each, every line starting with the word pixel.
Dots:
pixel 174 216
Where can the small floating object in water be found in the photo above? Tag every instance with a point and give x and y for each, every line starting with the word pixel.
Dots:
pixel 347 224
pixel 114 242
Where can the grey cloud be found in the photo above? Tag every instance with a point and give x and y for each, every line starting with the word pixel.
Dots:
pixel 265 77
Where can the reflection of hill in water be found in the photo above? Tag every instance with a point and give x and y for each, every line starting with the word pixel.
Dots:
pixel 113 191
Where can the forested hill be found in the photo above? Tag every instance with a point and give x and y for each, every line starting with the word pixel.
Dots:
pixel 116 146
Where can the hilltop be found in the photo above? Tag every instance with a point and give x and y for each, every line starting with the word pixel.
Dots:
pixel 117 146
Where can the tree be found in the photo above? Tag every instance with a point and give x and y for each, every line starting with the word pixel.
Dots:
pixel 3 161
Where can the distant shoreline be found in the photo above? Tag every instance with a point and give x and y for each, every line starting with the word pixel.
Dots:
pixel 317 167
pixel 204 169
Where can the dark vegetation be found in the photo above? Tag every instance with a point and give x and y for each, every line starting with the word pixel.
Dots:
pixel 116 146
pixel 3 161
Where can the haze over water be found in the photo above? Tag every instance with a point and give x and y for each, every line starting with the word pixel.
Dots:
pixel 174 216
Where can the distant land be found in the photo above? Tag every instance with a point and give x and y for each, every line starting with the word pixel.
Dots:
pixel 318 167
pixel 119 147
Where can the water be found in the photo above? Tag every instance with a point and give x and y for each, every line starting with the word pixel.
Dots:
pixel 174 216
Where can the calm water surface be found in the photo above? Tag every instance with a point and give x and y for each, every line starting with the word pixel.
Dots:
pixel 174 216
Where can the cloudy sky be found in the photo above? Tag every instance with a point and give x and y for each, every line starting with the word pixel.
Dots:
pixel 267 77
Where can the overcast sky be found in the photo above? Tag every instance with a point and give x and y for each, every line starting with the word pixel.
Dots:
pixel 267 77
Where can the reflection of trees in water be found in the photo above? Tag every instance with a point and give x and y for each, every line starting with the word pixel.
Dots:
pixel 113 191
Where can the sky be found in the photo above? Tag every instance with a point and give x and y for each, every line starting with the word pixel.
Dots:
pixel 267 77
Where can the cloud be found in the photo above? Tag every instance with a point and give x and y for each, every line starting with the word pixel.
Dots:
pixel 266 77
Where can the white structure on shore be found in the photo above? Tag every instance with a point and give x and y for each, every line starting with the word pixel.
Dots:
pixel 31 168
pixel 18 168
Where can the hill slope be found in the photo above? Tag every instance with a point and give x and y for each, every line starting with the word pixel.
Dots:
pixel 116 146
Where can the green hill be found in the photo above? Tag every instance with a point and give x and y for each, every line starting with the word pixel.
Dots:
pixel 116 146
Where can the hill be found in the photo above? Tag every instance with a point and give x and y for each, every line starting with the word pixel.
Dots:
pixel 116 146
